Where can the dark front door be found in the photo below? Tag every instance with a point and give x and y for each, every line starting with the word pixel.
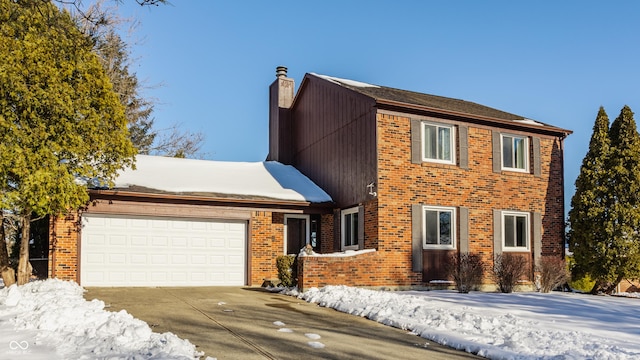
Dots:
pixel 296 234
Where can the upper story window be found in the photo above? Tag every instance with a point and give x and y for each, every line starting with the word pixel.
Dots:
pixel 515 153
pixel 439 228
pixel 438 144
pixel 350 228
pixel 515 234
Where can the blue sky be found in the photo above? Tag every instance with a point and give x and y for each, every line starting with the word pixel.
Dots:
pixel 209 63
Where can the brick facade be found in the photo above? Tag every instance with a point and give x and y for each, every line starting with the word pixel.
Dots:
pixel 401 183
pixel 265 245
pixel 63 247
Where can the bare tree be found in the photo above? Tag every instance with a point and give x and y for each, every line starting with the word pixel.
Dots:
pixel 101 22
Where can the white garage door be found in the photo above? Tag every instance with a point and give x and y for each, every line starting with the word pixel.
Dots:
pixel 118 250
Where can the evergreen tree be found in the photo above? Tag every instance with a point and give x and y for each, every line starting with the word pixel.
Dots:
pixel 622 253
pixel 589 214
pixel 114 55
pixel 605 209
pixel 60 119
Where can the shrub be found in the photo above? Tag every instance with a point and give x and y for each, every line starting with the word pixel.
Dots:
pixel 583 283
pixel 287 270
pixel 508 268
pixel 580 281
pixel 467 271
pixel 553 273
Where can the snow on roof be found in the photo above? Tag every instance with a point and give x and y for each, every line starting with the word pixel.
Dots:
pixel 530 122
pixel 345 81
pixel 265 179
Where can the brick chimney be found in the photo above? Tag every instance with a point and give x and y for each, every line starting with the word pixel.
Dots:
pixel 281 93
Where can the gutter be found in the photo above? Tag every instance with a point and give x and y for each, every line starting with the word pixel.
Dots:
pixel 206 199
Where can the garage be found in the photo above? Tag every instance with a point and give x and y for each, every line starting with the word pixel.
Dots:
pixel 127 250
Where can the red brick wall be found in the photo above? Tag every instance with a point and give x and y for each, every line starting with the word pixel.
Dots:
pixel 402 183
pixel 326 234
pixel 63 247
pixel 266 244
pixel 358 270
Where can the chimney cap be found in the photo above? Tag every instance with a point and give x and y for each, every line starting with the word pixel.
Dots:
pixel 281 71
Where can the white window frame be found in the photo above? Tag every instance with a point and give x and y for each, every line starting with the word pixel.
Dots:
pixel 439 209
pixel 307 228
pixel 452 142
pixel 527 232
pixel 343 224
pixel 525 168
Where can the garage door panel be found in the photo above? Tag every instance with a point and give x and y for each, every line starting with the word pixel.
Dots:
pixel 118 258
pixel 179 242
pixel 96 239
pixel 147 251
pixel 138 259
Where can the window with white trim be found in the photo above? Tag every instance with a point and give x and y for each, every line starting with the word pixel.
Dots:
pixel 350 229
pixel 515 153
pixel 439 227
pixel 515 231
pixel 438 143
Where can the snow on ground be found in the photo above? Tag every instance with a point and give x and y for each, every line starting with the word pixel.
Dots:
pixel 501 326
pixel 51 320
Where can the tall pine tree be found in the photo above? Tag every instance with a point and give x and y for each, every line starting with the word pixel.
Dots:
pixel 590 203
pixel 622 255
pixel 605 209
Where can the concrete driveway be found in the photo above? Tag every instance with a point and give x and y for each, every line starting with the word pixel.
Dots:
pixel 242 323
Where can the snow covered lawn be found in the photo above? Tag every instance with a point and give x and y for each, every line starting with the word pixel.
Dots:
pixel 51 320
pixel 502 326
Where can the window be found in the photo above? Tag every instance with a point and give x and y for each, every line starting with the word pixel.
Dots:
pixel 515 231
pixel 439 228
pixel 350 229
pixel 438 143
pixel 515 153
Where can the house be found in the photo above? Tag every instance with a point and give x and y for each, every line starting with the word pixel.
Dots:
pixel 418 178
pixel 395 183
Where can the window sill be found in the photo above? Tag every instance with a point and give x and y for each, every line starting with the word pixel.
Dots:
pixel 437 247
pixel 516 250
pixel 439 165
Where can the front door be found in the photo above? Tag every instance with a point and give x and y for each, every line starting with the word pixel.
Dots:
pixel 296 233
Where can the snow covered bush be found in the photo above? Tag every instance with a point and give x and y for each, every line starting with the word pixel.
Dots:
pixel 553 273
pixel 467 271
pixel 287 270
pixel 508 268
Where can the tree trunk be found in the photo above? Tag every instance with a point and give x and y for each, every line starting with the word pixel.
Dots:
pixel 7 273
pixel 24 267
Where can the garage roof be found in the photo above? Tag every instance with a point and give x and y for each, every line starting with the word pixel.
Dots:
pixel 269 179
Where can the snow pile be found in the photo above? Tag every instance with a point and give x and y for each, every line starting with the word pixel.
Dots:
pixel 501 326
pixel 50 319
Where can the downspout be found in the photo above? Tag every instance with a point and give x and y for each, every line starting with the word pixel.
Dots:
pixel 564 232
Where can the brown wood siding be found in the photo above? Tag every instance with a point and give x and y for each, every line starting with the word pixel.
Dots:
pixel 334 140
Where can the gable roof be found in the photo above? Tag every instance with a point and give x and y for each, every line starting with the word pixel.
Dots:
pixel 205 178
pixel 399 97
